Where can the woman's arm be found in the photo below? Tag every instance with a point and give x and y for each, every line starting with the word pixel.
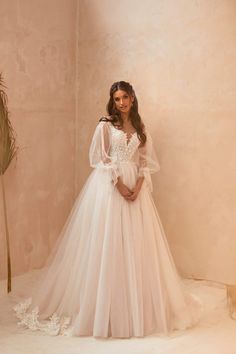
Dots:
pixel 135 191
pixel 99 153
pixel 123 189
pixel 148 162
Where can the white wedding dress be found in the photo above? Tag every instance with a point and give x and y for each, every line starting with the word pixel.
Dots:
pixel 111 272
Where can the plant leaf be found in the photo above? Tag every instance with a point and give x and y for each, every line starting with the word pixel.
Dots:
pixel 8 148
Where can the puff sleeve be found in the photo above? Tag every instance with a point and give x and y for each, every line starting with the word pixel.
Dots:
pixel 99 152
pixel 148 162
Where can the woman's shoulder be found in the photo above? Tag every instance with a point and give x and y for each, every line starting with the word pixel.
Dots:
pixel 104 124
pixel 105 119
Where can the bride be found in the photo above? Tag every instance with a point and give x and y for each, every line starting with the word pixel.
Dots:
pixel 111 272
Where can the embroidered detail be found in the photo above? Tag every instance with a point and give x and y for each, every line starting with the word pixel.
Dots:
pixel 120 148
pixel 54 326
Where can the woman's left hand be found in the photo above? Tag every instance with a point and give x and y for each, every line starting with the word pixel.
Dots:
pixel 135 191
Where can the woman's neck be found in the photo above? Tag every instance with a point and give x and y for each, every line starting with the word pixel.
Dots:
pixel 125 117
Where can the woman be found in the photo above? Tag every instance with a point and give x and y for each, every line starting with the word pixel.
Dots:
pixel 111 272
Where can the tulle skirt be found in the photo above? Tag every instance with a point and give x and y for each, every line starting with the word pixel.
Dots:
pixel 111 272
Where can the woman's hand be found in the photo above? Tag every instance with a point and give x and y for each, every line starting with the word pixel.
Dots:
pixel 135 191
pixel 123 189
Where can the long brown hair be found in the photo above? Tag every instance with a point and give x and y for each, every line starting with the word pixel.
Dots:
pixel 115 116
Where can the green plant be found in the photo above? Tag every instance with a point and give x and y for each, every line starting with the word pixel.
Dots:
pixel 8 151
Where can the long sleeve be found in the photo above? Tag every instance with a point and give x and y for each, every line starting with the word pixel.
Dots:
pixel 99 151
pixel 148 162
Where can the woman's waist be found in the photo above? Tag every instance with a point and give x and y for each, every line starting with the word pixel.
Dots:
pixel 127 167
pixel 124 163
pixel 127 162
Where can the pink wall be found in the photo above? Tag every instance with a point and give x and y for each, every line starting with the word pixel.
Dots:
pixel 180 56
pixel 37 46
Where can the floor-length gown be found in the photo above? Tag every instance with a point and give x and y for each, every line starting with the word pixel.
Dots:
pixel 111 272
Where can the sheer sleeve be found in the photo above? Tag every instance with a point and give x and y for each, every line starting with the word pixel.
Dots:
pixel 99 156
pixel 148 162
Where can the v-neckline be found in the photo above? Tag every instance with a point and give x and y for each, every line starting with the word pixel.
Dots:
pixel 126 136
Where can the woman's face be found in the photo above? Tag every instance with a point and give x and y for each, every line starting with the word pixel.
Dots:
pixel 122 101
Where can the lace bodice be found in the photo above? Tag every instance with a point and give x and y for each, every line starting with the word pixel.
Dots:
pixel 122 148
pixel 110 147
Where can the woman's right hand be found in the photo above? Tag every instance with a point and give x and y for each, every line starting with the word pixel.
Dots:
pixel 123 189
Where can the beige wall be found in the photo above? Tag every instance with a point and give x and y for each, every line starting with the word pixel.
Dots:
pixel 180 56
pixel 37 47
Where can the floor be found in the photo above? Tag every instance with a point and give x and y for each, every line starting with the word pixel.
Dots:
pixel 215 334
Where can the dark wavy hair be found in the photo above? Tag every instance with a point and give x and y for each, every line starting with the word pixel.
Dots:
pixel 115 116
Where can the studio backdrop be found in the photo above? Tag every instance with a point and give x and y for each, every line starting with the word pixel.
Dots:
pixel 59 59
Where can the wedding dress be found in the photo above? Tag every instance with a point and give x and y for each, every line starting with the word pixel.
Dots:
pixel 111 272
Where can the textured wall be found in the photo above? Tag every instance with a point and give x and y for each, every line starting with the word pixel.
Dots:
pixel 180 56
pixel 37 47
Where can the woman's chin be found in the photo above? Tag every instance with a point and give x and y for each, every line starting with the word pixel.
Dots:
pixel 125 111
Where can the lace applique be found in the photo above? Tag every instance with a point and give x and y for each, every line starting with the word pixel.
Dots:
pixel 54 326
pixel 122 148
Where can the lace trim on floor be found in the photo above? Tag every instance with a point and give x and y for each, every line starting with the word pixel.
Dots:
pixel 56 325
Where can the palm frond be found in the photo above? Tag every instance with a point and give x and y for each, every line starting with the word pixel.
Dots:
pixel 8 150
